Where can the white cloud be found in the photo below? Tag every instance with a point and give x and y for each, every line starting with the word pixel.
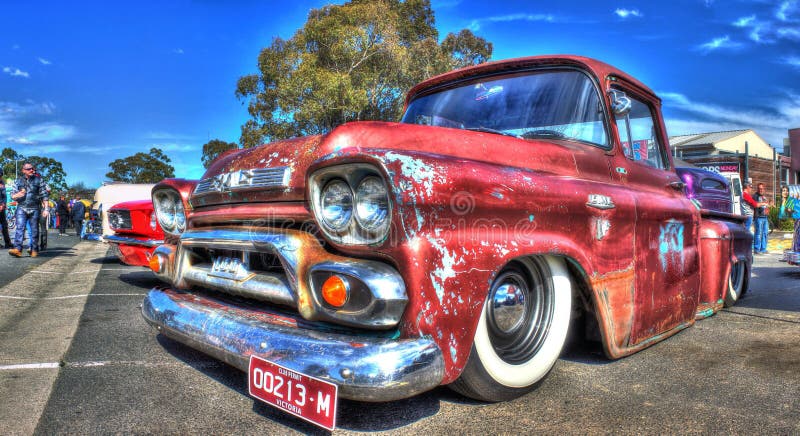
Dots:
pixel 167 136
pixel 793 61
pixel 744 21
pixel 627 13
pixel 15 72
pixel 769 30
pixel 44 61
pixel 720 43
pixel 789 33
pixel 178 51
pixel 173 147
pixel 771 125
pixel 475 25
pixel 784 9
pixel 47 132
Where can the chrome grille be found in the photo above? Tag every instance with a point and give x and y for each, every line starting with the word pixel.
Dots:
pixel 269 178
pixel 120 219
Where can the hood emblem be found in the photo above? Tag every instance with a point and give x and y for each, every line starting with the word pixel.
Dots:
pixel 261 178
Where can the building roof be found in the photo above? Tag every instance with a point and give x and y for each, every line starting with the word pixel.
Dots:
pixel 710 138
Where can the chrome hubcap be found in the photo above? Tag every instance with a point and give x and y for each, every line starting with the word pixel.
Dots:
pixel 520 311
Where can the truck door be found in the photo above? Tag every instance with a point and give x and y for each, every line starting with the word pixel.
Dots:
pixel 667 277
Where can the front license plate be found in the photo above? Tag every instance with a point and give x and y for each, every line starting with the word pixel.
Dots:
pixel 306 397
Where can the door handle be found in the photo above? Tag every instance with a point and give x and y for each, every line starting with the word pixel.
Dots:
pixel 678 186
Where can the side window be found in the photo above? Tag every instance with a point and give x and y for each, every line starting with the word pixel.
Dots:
pixel 637 133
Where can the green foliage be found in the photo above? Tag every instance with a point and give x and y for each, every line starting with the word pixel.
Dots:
pixel 81 189
pixel 149 167
pixel 349 62
pixel 214 148
pixel 8 157
pixel 52 172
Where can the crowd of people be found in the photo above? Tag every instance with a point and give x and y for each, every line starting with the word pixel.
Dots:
pixel 756 207
pixel 34 210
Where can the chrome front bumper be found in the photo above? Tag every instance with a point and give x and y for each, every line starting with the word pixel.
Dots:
pixel 365 368
pixel 792 257
pixel 127 240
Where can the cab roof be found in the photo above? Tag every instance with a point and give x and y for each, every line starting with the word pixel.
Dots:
pixel 600 69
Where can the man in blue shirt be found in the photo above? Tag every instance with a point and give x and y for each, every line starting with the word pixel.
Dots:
pixel 30 193
pixel 761 223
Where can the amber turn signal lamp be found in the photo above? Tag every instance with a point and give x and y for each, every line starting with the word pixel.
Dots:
pixel 155 263
pixel 334 291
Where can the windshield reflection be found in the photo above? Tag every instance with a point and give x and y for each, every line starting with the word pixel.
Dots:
pixel 546 104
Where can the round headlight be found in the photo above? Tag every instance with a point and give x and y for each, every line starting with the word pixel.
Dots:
pixel 165 210
pixel 336 205
pixel 180 216
pixel 372 204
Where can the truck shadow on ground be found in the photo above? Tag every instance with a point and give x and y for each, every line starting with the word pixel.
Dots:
pixel 141 279
pixel 351 415
pixel 56 252
pixel 784 299
pixel 107 260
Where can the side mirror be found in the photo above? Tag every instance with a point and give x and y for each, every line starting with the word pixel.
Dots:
pixel 620 103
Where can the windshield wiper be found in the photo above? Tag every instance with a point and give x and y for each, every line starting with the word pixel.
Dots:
pixel 543 134
pixel 490 130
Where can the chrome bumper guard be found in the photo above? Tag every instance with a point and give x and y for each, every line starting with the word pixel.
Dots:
pixel 364 368
pixel 792 257
pixel 303 260
pixel 127 240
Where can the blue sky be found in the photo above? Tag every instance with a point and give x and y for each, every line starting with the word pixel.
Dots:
pixel 89 83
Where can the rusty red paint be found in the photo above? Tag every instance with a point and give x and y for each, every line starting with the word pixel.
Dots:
pixel 467 203
pixel 140 214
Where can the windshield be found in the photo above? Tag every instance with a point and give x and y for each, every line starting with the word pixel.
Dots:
pixel 545 104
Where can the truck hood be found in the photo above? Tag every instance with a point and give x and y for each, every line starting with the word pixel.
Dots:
pixel 291 159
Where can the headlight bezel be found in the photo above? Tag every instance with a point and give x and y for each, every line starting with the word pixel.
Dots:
pixel 170 212
pixel 354 233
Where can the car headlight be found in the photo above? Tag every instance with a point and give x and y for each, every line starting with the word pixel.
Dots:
pixel 336 205
pixel 372 204
pixel 169 211
pixel 351 203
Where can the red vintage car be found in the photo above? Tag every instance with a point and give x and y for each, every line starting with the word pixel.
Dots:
pixel 515 200
pixel 137 232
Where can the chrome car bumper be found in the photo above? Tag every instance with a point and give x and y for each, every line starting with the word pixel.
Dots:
pixel 366 368
pixel 792 257
pixel 127 240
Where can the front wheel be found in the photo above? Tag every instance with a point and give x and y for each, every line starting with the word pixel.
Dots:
pixel 737 283
pixel 521 332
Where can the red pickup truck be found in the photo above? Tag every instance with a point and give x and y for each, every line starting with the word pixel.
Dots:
pixel 514 201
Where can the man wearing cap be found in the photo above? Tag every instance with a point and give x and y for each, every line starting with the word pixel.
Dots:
pixel 30 193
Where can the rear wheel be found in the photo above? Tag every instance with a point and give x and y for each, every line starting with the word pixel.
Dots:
pixel 521 332
pixel 737 283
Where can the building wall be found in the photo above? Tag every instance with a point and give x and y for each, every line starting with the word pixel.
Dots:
pixel 794 146
pixel 759 170
pixel 757 146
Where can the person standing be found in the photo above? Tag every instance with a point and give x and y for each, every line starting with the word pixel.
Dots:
pixel 748 206
pixel 761 223
pixel 790 208
pixel 30 193
pixel 62 209
pixel 78 212
pixel 3 220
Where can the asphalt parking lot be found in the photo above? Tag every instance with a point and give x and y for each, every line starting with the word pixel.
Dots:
pixel 76 357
